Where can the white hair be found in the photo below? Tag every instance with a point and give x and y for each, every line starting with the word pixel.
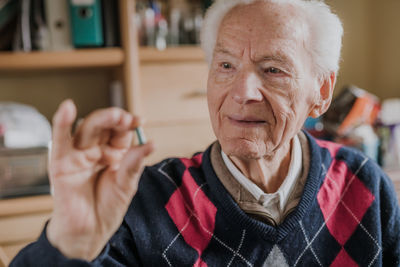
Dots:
pixel 325 28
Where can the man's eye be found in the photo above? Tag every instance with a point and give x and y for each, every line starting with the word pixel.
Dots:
pixel 226 65
pixel 273 70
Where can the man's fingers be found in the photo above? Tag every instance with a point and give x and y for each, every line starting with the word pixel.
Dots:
pixel 121 140
pixel 131 165
pixel 111 155
pixel 62 124
pixel 93 127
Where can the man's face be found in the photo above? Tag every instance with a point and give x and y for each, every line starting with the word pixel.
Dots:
pixel 261 86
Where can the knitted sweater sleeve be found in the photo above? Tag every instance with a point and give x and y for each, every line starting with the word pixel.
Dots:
pixel 390 218
pixel 119 251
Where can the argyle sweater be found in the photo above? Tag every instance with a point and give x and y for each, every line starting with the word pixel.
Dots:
pixel 183 216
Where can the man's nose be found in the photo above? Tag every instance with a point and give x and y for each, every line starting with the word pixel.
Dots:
pixel 247 89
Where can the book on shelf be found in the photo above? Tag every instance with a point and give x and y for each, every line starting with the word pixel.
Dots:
pixel 22 38
pixel 110 23
pixel 58 24
pixel 8 23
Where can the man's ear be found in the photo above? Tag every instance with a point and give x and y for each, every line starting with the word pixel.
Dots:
pixel 324 96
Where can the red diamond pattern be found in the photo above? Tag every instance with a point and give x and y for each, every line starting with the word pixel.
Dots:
pixel 343 200
pixel 343 260
pixel 192 212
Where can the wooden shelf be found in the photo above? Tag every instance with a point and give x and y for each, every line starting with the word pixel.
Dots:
pixel 176 54
pixel 25 205
pixel 96 57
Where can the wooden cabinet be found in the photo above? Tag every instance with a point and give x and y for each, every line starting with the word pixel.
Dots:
pixel 174 103
pixel 28 75
pixel 21 222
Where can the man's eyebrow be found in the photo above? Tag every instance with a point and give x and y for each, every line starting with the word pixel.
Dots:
pixel 222 50
pixel 278 58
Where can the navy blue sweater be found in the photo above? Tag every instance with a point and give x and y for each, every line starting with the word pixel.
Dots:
pixel 183 216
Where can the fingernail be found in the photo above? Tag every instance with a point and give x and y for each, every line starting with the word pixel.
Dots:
pixel 67 102
pixel 140 120
pixel 69 109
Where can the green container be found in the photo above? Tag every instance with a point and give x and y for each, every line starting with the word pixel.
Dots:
pixel 86 23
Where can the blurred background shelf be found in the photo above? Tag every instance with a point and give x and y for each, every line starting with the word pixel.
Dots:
pixel 176 54
pixel 85 58
pixel 104 57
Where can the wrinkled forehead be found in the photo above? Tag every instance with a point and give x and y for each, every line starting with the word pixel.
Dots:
pixel 262 20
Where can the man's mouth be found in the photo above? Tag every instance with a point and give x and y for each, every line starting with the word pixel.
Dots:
pixel 246 121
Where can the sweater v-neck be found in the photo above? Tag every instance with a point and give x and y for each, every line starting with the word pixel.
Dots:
pixel 238 216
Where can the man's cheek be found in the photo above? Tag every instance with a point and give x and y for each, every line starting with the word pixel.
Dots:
pixel 279 107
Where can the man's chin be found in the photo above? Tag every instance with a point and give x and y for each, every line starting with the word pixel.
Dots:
pixel 244 149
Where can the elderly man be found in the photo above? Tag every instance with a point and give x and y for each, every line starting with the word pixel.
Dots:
pixel 264 194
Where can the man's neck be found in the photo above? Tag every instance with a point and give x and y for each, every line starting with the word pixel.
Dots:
pixel 267 172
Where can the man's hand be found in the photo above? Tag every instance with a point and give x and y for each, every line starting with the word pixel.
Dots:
pixel 94 175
